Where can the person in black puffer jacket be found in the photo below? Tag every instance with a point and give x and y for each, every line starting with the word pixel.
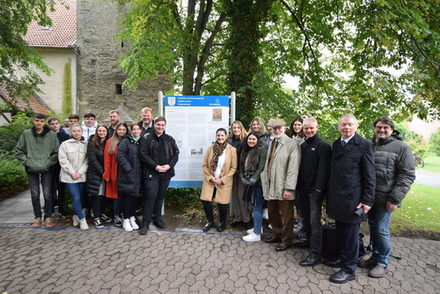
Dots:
pixel 129 176
pixel 95 185
pixel 395 172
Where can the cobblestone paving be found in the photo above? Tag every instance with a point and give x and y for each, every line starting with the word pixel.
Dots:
pixel 113 261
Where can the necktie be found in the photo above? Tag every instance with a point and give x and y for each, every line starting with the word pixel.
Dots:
pixel 343 143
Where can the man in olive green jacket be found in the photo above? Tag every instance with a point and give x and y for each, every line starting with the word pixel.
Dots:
pixel 37 150
pixel 279 183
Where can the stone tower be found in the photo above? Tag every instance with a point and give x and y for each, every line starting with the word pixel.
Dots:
pixel 99 76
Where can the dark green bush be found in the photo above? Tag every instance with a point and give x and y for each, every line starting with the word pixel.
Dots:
pixel 187 201
pixel 13 177
pixel 10 133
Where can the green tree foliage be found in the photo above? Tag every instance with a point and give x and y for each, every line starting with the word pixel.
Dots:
pixel 19 62
pixel 370 58
pixel 166 37
pixel 67 89
pixel 415 141
pixel 434 142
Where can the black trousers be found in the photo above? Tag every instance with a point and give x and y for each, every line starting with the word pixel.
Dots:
pixel 348 236
pixel 97 205
pixel 310 207
pixel 58 190
pixel 154 195
pixel 128 206
pixel 223 211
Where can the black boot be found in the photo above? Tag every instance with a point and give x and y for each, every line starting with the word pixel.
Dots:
pixel 223 209
pixel 207 207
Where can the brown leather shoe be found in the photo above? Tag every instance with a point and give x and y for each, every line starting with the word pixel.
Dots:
pixel 48 223
pixel 37 223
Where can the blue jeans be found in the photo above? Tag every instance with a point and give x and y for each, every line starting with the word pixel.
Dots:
pixel 379 220
pixel 76 190
pixel 258 209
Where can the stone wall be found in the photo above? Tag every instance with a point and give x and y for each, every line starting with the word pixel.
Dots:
pixel 98 71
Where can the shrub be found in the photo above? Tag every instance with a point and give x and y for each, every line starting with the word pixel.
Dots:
pixel 13 177
pixel 434 142
pixel 414 140
pixel 9 134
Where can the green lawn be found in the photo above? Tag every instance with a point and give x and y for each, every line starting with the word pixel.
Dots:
pixel 420 211
pixel 432 163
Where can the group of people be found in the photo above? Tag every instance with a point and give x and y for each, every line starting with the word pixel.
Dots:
pixel 357 178
pixel 113 164
pixel 244 173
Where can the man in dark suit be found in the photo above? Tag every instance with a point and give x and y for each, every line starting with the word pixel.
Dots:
pixel 351 192
pixel 313 178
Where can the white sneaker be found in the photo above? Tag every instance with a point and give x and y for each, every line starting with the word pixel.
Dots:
pixel 75 220
pixel 265 213
pixel 83 224
pixel 250 231
pixel 252 237
pixel 133 223
pixel 126 225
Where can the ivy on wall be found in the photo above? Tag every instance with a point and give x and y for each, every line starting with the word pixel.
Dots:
pixel 67 89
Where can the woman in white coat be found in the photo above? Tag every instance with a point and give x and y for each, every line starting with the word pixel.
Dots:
pixel 73 161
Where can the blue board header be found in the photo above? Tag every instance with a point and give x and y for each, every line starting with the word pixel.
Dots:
pixel 196 101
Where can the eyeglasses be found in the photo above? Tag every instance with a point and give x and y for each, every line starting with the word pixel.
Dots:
pixel 382 127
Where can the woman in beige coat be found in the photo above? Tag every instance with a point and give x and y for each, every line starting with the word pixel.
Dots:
pixel 219 166
pixel 73 161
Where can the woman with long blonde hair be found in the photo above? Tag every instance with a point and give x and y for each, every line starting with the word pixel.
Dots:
pixel 257 126
pixel 240 210
pixel 111 169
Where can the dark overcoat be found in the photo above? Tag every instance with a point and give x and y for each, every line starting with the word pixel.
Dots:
pixel 352 179
pixel 95 169
pixel 129 168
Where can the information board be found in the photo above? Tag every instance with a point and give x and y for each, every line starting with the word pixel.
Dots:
pixel 192 122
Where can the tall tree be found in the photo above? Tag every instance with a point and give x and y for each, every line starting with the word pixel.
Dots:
pixel 18 62
pixel 165 37
pixel 367 57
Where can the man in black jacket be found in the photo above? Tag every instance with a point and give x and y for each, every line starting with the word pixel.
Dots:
pixel 58 187
pixel 159 155
pixel 313 177
pixel 395 172
pixel 350 192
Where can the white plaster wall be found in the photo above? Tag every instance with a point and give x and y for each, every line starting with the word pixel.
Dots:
pixel 52 89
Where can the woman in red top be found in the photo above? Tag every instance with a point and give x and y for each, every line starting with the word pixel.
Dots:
pixel 111 170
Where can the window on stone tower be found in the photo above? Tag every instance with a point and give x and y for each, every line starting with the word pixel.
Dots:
pixel 118 89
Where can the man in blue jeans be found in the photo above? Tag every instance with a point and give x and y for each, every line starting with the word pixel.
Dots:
pixel 37 150
pixel 395 172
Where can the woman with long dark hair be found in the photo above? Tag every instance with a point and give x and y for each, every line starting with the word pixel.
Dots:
pixel 219 166
pixel 252 160
pixel 296 130
pixel 95 184
pixel 129 176
pixel 111 170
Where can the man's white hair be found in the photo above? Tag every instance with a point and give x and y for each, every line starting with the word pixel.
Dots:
pixel 349 116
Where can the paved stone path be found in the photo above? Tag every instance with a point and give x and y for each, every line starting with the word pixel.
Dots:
pixel 113 261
